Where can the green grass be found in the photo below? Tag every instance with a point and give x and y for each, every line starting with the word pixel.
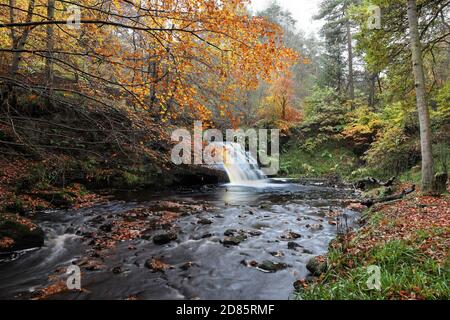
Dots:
pixel 403 269
pixel 411 176
pixel 326 161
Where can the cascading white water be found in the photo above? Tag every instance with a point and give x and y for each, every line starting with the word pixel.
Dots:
pixel 241 167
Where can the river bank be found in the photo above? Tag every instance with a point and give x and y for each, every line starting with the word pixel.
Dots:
pixel 407 239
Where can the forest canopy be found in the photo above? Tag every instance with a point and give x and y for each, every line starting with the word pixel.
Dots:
pixel 152 61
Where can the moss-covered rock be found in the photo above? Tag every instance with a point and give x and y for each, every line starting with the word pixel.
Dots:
pixel 317 265
pixel 60 198
pixel 18 233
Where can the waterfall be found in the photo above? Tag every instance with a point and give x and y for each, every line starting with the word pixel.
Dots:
pixel 241 167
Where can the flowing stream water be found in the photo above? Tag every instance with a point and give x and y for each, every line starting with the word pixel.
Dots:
pixel 273 215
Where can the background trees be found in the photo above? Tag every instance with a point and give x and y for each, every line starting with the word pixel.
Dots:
pixel 132 69
pixel 154 63
pixel 379 123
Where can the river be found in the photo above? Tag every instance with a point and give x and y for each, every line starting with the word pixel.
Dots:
pixel 282 222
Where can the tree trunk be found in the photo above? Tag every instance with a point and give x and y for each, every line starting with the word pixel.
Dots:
pixel 283 107
pixel 18 44
pixel 50 46
pixel 424 116
pixel 351 86
pixel 372 90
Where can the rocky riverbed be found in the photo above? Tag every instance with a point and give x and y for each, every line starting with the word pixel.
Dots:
pixel 217 242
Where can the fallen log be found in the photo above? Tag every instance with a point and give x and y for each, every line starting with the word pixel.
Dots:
pixel 405 192
pixel 370 181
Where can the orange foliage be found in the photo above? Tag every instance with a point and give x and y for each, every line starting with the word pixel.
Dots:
pixel 279 104
pixel 171 60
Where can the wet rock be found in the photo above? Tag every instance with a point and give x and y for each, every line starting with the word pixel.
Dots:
pixel 204 221
pixel 70 230
pixel 164 238
pixel 300 284
pixel 289 235
pixel 156 265
pixel 93 265
pixel 317 265
pixel 107 227
pixel 254 233
pixel 229 232
pixel 277 254
pixel 117 270
pixel 315 227
pixel 188 265
pixel 203 236
pixel 161 205
pixel 18 233
pixel 147 234
pixel 234 240
pixel 252 263
pixel 271 266
pixel 293 245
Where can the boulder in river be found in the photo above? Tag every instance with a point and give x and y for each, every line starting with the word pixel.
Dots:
pixel 277 254
pixel 204 221
pixel 229 232
pixel 165 238
pixel 270 266
pixel 233 240
pixel 117 270
pixel 157 265
pixel 293 245
pixel 289 235
pixel 317 265
pixel 18 233
pixel 315 227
